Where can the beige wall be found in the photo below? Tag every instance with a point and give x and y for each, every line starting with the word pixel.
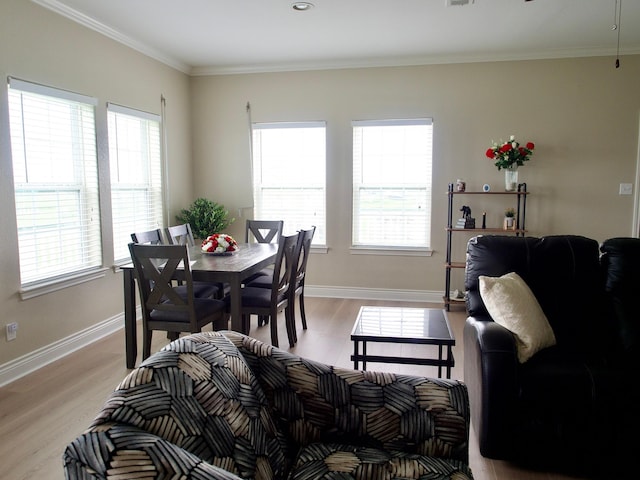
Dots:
pixel 581 113
pixel 40 46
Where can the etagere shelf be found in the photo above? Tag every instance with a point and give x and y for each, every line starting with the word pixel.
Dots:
pixel 520 195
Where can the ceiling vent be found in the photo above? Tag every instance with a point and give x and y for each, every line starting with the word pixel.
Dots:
pixel 458 3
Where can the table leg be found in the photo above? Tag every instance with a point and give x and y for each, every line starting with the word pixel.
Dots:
pixel 130 334
pixel 439 361
pixel 449 360
pixel 364 355
pixel 355 354
pixel 236 306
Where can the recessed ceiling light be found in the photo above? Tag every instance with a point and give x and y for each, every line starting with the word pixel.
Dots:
pixel 302 6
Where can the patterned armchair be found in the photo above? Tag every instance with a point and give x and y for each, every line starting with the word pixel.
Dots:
pixel 223 405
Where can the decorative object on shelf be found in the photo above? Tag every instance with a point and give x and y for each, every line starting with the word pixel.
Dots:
pixel 509 219
pixel 509 156
pixel 220 244
pixel 486 187
pixel 461 185
pixel 466 221
pixel 484 220
pixel 205 216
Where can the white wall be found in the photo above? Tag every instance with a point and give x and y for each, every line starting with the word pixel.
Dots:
pixel 581 113
pixel 42 47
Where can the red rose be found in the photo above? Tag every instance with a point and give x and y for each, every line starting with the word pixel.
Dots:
pixel 530 145
pixel 489 153
pixel 505 148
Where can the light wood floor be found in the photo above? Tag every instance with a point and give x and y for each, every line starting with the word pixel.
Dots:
pixel 42 412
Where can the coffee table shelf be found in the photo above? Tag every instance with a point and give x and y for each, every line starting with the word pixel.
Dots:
pixel 421 326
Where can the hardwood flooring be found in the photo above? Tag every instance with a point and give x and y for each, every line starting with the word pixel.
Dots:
pixel 42 412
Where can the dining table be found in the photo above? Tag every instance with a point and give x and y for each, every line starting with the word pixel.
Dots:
pixel 231 269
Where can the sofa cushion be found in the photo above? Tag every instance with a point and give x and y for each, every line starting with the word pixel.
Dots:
pixel 511 304
pixel 348 462
pixel 199 394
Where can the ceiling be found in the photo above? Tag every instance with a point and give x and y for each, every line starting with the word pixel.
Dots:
pixel 202 37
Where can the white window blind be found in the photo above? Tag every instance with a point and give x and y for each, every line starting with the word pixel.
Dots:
pixel 392 183
pixel 289 161
pixel 136 175
pixel 53 144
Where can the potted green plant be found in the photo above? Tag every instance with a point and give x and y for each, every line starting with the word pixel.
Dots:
pixel 509 219
pixel 205 217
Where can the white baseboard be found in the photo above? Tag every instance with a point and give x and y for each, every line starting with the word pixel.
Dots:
pixel 32 361
pixel 374 294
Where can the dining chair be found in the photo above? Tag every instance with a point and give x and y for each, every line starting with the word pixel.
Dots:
pixel 164 308
pixel 200 289
pixel 263 231
pixel 268 302
pixel 298 277
pixel 183 235
pixel 180 235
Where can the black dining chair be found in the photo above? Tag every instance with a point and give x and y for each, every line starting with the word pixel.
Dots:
pixel 183 235
pixel 163 308
pixel 298 276
pixel 263 231
pixel 200 289
pixel 268 302
pixel 149 237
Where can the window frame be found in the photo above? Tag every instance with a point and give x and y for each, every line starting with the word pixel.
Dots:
pixel 151 169
pixel 319 240
pixel 359 184
pixel 78 150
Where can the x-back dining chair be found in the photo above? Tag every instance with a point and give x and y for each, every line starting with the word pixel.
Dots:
pixel 154 237
pixel 263 231
pixel 183 235
pixel 163 308
pixel 298 277
pixel 268 302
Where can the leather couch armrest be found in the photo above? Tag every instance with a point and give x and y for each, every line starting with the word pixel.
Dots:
pixel 491 376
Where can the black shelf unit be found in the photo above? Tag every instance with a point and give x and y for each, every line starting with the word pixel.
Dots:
pixel 520 195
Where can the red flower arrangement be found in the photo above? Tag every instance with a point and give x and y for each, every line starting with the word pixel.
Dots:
pixel 219 243
pixel 510 154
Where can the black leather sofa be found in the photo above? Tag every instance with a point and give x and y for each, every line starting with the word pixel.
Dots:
pixel 573 406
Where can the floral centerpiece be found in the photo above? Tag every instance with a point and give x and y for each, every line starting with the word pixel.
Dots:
pixel 510 154
pixel 219 243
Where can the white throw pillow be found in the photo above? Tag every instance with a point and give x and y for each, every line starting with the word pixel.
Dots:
pixel 511 303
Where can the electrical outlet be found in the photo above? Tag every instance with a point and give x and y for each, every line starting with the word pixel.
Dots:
pixel 12 331
pixel 626 188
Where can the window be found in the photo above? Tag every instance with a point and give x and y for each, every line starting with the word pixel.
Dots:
pixel 136 175
pixel 392 184
pixel 53 143
pixel 289 175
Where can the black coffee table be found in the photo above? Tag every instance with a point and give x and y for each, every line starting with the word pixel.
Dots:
pixel 426 326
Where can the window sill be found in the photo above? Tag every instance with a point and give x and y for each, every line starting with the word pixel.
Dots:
pixel 55 284
pixel 404 252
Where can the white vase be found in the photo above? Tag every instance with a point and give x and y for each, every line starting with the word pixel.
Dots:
pixel 511 179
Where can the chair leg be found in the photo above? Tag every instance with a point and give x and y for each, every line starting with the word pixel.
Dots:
pixel 146 343
pixel 302 314
pixel 291 325
pixel 173 335
pixel 274 328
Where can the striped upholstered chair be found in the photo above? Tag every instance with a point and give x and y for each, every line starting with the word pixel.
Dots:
pixel 221 405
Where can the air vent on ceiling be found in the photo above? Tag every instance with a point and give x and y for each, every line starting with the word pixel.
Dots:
pixel 458 3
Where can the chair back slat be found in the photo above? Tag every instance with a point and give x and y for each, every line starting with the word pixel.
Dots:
pixel 263 231
pixel 304 240
pixel 285 264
